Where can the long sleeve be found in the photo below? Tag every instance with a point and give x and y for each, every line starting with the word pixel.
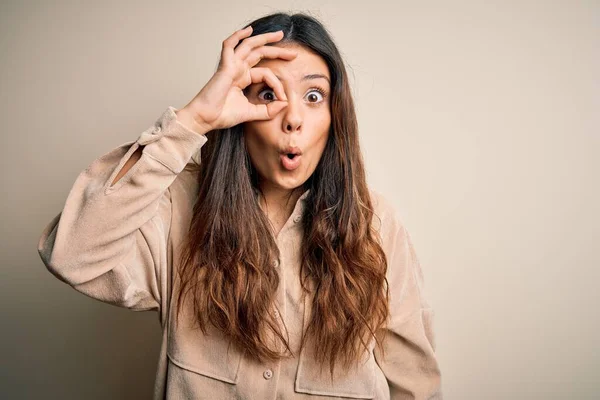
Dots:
pixel 110 242
pixel 410 363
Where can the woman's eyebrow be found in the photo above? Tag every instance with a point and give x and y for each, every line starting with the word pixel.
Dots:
pixel 309 77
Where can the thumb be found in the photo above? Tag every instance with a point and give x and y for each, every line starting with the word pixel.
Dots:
pixel 269 110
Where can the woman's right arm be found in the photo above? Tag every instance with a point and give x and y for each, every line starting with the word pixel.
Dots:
pixel 182 116
pixel 109 242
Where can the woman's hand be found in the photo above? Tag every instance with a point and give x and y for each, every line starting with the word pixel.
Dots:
pixel 221 103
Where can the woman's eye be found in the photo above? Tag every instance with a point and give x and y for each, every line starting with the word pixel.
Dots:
pixel 269 98
pixel 315 96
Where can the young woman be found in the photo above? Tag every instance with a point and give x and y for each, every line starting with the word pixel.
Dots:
pixel 277 273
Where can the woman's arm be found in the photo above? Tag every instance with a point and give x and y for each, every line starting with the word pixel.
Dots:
pixel 184 117
pixel 130 163
pixel 110 240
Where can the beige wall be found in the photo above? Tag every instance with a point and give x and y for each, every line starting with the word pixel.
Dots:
pixel 480 120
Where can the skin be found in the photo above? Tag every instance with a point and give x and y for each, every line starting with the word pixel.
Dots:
pixel 304 123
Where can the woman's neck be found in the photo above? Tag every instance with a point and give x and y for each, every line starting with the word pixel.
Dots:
pixel 278 204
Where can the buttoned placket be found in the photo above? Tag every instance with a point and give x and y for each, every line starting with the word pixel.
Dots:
pixel 282 239
pixel 276 263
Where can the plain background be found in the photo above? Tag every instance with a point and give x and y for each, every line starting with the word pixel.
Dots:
pixel 479 119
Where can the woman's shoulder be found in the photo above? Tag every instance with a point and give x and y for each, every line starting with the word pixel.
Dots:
pixel 387 218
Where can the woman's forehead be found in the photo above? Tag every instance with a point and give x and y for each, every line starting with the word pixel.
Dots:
pixel 306 66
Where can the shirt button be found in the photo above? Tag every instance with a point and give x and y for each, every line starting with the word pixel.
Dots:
pixel 275 263
pixel 268 374
pixel 297 218
pixel 276 313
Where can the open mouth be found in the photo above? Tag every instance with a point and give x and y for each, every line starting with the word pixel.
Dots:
pixel 290 161
pixel 290 157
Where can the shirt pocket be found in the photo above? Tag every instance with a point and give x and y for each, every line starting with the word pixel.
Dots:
pixel 356 383
pixel 210 355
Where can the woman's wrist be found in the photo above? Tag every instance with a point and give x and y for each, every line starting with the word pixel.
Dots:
pixel 187 119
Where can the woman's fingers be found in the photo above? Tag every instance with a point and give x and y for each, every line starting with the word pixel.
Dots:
pixel 272 108
pixel 266 111
pixel 262 74
pixel 235 37
pixel 228 45
pixel 251 43
pixel 270 52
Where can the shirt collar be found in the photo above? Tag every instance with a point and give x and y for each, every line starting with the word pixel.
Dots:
pixel 304 195
pixel 301 203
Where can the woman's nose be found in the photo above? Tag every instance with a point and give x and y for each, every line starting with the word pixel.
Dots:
pixel 292 119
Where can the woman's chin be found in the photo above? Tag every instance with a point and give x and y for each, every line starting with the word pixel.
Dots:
pixel 290 183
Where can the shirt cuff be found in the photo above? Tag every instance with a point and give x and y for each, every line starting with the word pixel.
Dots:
pixel 172 143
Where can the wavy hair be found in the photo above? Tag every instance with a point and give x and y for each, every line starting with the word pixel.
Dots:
pixel 227 260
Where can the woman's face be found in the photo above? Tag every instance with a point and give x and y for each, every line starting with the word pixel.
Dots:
pixel 303 124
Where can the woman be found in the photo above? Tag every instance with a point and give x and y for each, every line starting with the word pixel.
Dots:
pixel 276 272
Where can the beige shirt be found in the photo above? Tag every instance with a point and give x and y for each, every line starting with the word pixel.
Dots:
pixel 120 245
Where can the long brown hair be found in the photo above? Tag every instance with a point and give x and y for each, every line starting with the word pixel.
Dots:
pixel 227 257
